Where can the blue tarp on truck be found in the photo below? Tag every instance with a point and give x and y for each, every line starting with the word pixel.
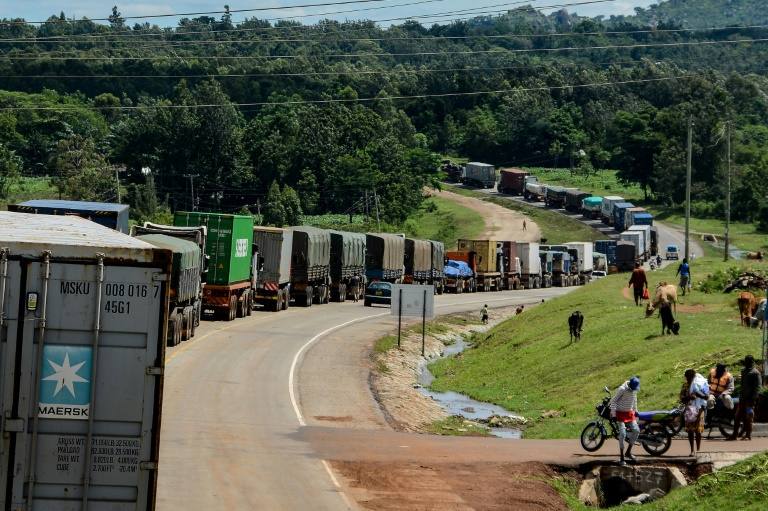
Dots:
pixel 114 216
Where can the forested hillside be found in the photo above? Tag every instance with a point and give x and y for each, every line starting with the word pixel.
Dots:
pixel 283 117
pixel 704 13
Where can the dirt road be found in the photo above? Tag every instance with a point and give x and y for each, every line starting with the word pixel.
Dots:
pixel 500 223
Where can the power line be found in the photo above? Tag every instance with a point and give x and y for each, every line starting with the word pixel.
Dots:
pixel 356 100
pixel 500 51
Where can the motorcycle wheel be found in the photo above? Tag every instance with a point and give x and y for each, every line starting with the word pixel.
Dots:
pixel 726 429
pixel 656 440
pixel 592 437
pixel 676 426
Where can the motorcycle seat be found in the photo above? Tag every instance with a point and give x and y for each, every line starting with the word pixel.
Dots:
pixel 654 415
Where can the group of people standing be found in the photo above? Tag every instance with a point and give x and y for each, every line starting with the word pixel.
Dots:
pixel 698 394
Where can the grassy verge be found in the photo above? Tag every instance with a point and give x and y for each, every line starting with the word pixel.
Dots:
pixel 437 219
pixel 29 188
pixel 529 366
pixel 556 228
pixel 457 426
pixel 742 486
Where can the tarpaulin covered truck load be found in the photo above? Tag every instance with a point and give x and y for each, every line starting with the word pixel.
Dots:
pixel 347 265
pixel 459 276
pixel 488 273
pixel 310 265
pixel 438 265
pixel 574 199
pixel 482 175
pixel 186 293
pixel 229 247
pixel 512 181
pixel 273 248
pixel 417 260
pixel 83 312
pixel 591 206
pixel 114 216
pixel 384 256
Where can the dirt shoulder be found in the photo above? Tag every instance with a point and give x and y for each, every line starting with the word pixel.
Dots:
pixel 500 223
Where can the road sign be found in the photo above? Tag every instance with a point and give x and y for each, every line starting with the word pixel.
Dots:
pixel 417 300
pixel 65 382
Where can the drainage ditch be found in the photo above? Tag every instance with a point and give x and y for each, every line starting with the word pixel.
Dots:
pixel 612 485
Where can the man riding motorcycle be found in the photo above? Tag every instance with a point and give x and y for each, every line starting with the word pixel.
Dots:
pixel 720 387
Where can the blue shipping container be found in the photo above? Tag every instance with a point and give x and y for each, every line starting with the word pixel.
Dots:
pixel 114 216
pixel 618 214
pixel 607 247
pixel 642 219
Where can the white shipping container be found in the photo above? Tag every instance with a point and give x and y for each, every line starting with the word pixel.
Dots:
pixel 481 173
pixel 607 208
pixel 528 253
pixel 585 250
pixel 633 237
pixel 645 245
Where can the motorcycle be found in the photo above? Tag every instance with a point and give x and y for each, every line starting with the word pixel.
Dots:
pixel 719 417
pixel 656 428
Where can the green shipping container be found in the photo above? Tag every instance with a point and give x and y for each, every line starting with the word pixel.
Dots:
pixel 229 244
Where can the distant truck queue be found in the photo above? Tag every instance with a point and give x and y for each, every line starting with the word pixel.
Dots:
pixel 637 238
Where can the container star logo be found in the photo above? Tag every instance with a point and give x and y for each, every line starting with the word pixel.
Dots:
pixel 65 375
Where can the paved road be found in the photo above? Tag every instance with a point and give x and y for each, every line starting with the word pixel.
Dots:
pixel 231 421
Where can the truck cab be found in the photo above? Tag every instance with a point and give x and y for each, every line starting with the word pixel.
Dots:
pixel 672 252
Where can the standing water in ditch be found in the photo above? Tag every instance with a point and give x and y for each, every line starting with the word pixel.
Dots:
pixel 459 404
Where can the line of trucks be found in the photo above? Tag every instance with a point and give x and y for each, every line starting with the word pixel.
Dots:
pixel 637 237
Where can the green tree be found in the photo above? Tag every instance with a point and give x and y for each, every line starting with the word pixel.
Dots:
pixel 308 192
pixel 82 172
pixel 274 210
pixel 10 167
pixel 292 206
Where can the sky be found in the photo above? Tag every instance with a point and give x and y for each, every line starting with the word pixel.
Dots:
pixel 32 10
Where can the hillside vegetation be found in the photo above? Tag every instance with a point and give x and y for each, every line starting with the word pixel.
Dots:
pixel 702 13
pixel 528 364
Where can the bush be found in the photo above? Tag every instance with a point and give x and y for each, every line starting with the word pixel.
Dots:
pixel 716 282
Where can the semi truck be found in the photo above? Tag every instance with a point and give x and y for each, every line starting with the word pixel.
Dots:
pixel 459 277
pixel 187 279
pixel 347 265
pixel 574 199
pixel 510 278
pixel 453 172
pixel 619 215
pixel 229 248
pixel 554 197
pixel 273 248
pixel 534 191
pixel 384 257
pixel 569 272
pixel 591 206
pixel 636 238
pixel 437 266
pixel 530 264
pixel 637 216
pixel 114 216
pixel 512 181
pixel 83 322
pixel 418 261
pixel 644 249
pixel 625 255
pixel 583 260
pixel 481 175
pixel 486 263
pixel 561 269
pixel 546 258
pixel 606 208
pixel 607 247
pixel 310 266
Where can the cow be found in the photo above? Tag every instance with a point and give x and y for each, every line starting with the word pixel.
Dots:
pixel 747 307
pixel 665 299
pixel 756 256
pixel 575 324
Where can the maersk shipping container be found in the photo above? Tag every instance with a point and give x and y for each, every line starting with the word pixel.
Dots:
pixel 83 312
pixel 384 256
pixel 114 216
pixel 229 245
pixel 274 247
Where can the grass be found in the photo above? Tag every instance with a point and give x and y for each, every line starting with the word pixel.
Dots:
pixel 601 183
pixel 28 188
pixel 742 486
pixel 529 366
pixel 457 426
pixel 437 219
pixel 555 228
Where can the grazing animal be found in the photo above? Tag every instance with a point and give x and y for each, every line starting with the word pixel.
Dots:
pixel 665 293
pixel 668 323
pixel 519 310
pixel 575 324
pixel 757 256
pixel 747 307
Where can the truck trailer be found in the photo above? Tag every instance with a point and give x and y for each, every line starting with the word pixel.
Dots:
pixel 530 264
pixel 510 278
pixel 83 322
pixel 554 197
pixel 310 266
pixel 273 248
pixel 187 244
pixel 114 216
pixel 546 258
pixel 438 265
pixel 347 265
pixel 481 175
pixel 607 247
pixel 606 208
pixel 384 257
pixel 534 191
pixel 229 248
pixel 636 238
pixel 644 250
pixel 625 255
pixel 459 277
pixel 590 207
pixel 583 260
pixel 574 199
pixel 619 215
pixel 418 261
pixel 487 271
pixel 512 181
pixel 561 269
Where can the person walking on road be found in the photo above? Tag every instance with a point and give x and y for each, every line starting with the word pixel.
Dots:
pixel 638 281
pixel 658 261
pixel 684 271
pixel 624 410
pixel 694 395
pixel 484 314
pixel 355 284
pixel 751 382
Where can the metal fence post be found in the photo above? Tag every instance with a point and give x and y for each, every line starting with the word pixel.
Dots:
pixel 423 321
pixel 399 316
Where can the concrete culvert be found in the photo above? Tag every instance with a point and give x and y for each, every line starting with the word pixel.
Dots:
pixel 612 485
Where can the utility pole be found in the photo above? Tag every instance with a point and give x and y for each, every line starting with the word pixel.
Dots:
pixel 688 189
pixel 376 203
pixel 191 178
pixel 726 255
pixel 367 209
pixel 117 182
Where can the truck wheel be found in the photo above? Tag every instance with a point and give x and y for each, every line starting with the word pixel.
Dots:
pixel 249 304
pixel 193 323
pixel 240 307
pixel 342 293
pixel 308 296
pixel 286 299
pixel 232 312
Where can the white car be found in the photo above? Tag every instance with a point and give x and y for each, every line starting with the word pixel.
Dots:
pixel 598 274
